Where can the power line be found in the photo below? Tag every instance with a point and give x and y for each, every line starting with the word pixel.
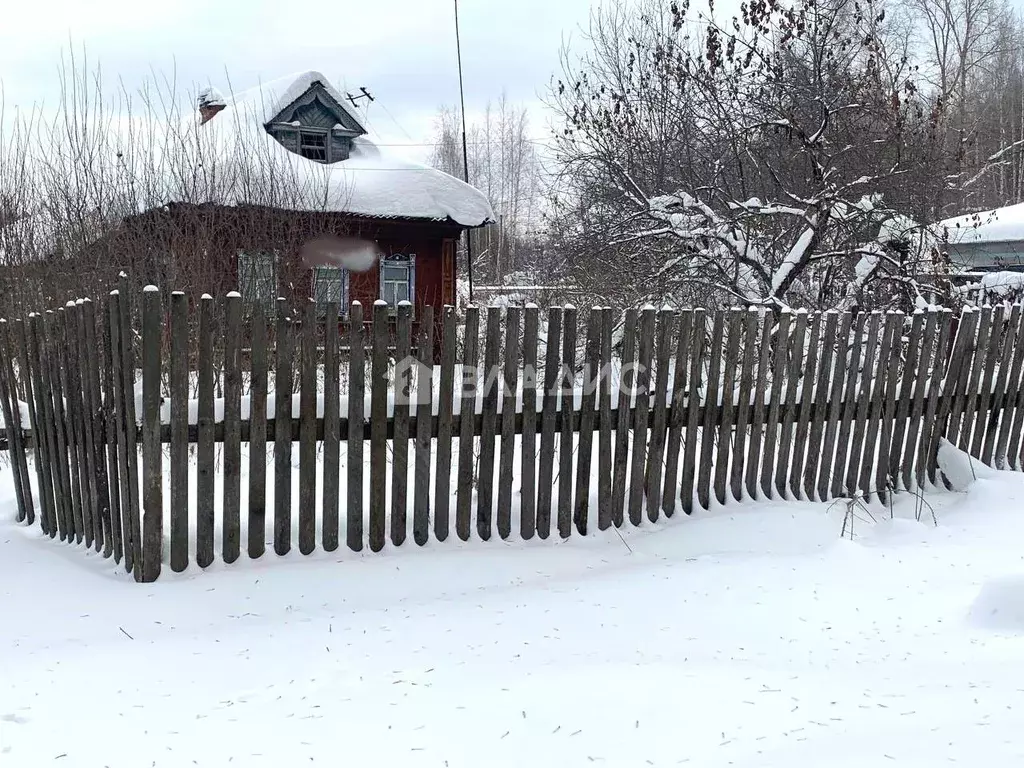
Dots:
pixel 538 142
pixel 397 125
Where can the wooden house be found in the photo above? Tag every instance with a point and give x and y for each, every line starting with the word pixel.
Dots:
pixel 362 225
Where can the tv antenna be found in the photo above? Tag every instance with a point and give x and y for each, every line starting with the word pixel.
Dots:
pixel 363 94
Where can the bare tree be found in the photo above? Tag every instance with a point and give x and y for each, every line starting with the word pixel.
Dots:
pixel 753 161
pixel 504 164
pixel 131 181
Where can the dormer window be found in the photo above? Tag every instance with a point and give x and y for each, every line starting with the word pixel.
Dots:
pixel 313 145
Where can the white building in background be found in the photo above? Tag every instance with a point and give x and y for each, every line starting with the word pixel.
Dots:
pixel 992 241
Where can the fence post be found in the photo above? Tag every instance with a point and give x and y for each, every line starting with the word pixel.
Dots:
pixel 643 401
pixel 677 410
pixel 283 432
pixel 356 427
pixel 152 475
pixel 231 544
pixel 771 428
pixel 33 398
pixel 332 431
pixel 12 419
pixel 885 408
pixel 117 425
pixel 993 415
pixel 758 407
pixel 528 497
pixel 67 353
pixel 110 432
pixel 204 435
pixel 546 465
pixel 931 430
pixel 743 405
pixel 94 518
pixel 445 406
pixel 488 425
pixel 656 441
pixel 821 393
pixel 179 431
pixel 42 427
pixel 727 398
pixel 789 406
pixel 510 383
pixel 1012 403
pixel 565 439
pixel 467 415
pixel 379 426
pixel 400 424
pixel 307 430
pixel 588 401
pixel 627 383
pixel 104 527
pixel 712 411
pixel 424 398
pixel 257 531
pixel 127 435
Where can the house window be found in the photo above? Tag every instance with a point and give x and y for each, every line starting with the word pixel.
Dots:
pixel 330 284
pixel 398 278
pixel 257 278
pixel 313 145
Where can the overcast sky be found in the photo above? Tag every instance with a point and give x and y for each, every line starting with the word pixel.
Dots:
pixel 402 50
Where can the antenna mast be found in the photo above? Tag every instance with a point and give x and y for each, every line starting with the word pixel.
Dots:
pixel 465 153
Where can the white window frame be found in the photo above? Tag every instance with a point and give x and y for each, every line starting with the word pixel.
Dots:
pixel 407 260
pixel 342 297
pixel 255 290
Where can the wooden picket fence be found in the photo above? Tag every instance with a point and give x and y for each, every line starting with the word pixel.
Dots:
pixel 633 416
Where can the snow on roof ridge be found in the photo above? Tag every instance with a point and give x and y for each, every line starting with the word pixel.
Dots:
pixel 276 94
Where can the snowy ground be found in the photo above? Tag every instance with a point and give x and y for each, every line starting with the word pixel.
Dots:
pixel 749 636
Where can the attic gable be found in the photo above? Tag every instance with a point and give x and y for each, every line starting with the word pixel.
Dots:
pixel 316 107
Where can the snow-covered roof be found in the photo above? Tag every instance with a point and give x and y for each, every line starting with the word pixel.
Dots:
pixel 369 183
pixel 996 226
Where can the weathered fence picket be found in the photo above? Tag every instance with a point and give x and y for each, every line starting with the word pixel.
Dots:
pixel 179 431
pixel 642 395
pixel 508 422
pixel 257 522
pixel 467 412
pixel 424 443
pixel 378 427
pixel 552 376
pixel 307 429
pixel 400 421
pixel 204 428
pixel 627 382
pixel 231 541
pixel 283 383
pixel 445 406
pixel 528 444
pixel 331 504
pixel 588 401
pixel 356 419
pixel 744 408
pixel 567 397
pixel 727 396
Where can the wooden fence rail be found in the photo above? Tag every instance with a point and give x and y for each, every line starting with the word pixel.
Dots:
pixel 572 419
